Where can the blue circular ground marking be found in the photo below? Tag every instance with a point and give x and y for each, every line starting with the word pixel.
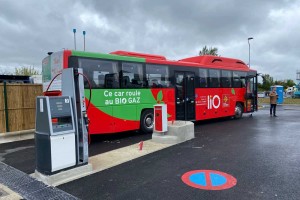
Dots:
pixel 198 178
pixel 217 180
pixel 209 179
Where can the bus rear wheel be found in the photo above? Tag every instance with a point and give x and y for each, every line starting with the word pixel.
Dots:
pixel 238 111
pixel 147 121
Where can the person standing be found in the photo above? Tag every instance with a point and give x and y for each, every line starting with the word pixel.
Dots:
pixel 273 101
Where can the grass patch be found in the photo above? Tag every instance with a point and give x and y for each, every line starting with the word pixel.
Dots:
pixel 285 101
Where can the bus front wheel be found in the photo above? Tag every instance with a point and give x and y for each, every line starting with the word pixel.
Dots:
pixel 147 120
pixel 238 111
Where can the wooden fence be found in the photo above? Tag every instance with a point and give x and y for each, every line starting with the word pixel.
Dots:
pixel 17 106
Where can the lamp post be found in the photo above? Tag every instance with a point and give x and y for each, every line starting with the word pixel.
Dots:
pixel 250 38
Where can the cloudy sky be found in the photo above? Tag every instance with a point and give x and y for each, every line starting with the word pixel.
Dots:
pixel 174 28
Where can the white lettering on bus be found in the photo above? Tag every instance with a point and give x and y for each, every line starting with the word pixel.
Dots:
pixel 107 93
pixel 211 103
pixel 133 93
pixel 134 100
pixel 121 97
pixel 119 94
pixel 109 102
pixel 120 101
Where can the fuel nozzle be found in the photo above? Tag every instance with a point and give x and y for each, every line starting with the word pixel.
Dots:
pixel 86 121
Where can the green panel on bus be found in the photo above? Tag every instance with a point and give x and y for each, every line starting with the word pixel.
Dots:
pixel 127 112
pixel 108 110
pixel 107 56
pixel 128 102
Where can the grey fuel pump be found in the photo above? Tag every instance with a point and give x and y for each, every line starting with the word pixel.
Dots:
pixel 61 135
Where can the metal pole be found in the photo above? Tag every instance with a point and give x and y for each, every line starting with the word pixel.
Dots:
pixel 74 31
pixel 84 40
pixel 249 53
pixel 5 107
pixel 250 38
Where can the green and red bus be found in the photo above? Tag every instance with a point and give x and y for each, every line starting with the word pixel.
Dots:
pixel 126 86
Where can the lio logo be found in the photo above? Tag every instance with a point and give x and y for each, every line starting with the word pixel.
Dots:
pixel 213 101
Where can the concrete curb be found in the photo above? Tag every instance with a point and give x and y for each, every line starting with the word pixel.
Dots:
pixel 16 136
pixel 179 131
pixel 64 176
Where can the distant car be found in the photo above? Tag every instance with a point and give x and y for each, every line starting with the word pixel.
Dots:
pixel 261 95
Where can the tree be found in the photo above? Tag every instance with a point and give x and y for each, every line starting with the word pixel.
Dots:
pixel 279 83
pixel 211 51
pixel 290 83
pixel 26 71
pixel 267 82
pixel 285 83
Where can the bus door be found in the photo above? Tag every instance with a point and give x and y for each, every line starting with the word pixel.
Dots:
pixel 185 95
pixel 251 93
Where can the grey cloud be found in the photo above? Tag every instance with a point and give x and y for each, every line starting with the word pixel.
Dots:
pixel 173 28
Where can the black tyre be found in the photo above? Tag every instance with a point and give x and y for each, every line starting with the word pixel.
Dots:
pixel 238 111
pixel 147 120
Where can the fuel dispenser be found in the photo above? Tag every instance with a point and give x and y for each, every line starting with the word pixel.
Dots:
pixel 160 118
pixel 55 134
pixel 61 134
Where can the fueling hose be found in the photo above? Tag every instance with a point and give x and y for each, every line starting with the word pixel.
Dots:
pixel 89 100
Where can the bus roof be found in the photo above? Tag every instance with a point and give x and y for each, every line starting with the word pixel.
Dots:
pixel 205 60
pixel 208 61
pixel 140 55
pixel 217 61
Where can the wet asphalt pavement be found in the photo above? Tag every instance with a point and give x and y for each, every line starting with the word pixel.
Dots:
pixel 21 154
pixel 261 152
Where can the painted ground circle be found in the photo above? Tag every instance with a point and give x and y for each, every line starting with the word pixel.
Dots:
pixel 209 180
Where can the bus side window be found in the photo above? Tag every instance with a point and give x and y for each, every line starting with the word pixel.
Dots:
pixel 203 78
pixel 111 81
pixel 214 78
pixel 136 83
pixel 132 75
pixel 154 83
pixel 157 76
pixel 226 78
pixel 125 81
pixel 101 79
pixel 243 82
pixel 237 82
pixel 96 71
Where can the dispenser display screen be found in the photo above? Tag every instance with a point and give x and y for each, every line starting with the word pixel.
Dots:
pixel 61 114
